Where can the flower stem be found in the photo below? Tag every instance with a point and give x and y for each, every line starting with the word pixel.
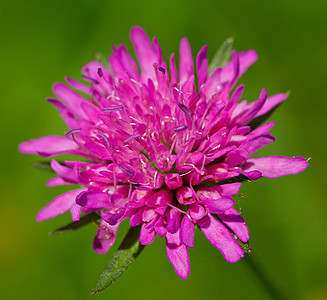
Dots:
pixel 265 281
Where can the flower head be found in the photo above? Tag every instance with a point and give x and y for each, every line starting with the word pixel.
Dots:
pixel 162 152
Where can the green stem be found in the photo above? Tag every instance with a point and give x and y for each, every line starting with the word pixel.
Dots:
pixel 265 281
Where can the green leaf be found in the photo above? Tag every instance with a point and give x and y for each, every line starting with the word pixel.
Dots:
pixel 102 59
pixel 245 246
pixel 239 178
pixel 222 56
pixel 89 218
pixel 43 166
pixel 126 254
pixel 259 120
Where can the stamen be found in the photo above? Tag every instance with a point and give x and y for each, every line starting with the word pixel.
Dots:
pixel 75 130
pixel 126 170
pixel 180 128
pixel 87 78
pixel 162 70
pixel 132 137
pixel 174 207
pixel 104 138
pixel 185 109
pixel 100 73
pixel 113 108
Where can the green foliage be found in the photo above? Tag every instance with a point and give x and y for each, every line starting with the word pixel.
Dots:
pixel 222 56
pixel 126 254
pixel 89 218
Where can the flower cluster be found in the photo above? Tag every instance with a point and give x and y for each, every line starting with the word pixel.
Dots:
pixel 158 150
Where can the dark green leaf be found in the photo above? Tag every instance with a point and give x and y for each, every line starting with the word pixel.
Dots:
pixel 89 218
pixel 126 254
pixel 245 246
pixel 239 178
pixel 222 56
pixel 43 165
pixel 259 120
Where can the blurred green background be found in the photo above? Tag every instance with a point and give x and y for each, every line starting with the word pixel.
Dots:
pixel 42 41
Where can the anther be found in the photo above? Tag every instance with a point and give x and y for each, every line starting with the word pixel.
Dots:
pixel 104 138
pixel 100 73
pixel 87 78
pixel 113 108
pixel 161 69
pixel 132 137
pixel 126 170
pixel 185 109
pixel 75 130
pixel 180 128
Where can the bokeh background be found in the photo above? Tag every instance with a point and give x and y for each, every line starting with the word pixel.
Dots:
pixel 42 41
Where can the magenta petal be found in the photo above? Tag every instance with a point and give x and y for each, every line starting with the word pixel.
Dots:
pixel 187 232
pixel 112 217
pixel 221 238
pixel 254 144
pixel 79 86
pixel 145 52
pixel 235 222
pixel 76 212
pixel 147 234
pixel 230 189
pixel 270 103
pixel 64 172
pixel 59 205
pixel 50 146
pixel 202 65
pixel 177 254
pixel 92 201
pixel 72 99
pixel 55 181
pixel 220 205
pixel 65 113
pixel 186 65
pixel 275 166
pixel 105 237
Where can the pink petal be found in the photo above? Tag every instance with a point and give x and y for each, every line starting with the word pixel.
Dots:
pixel 217 206
pixel 160 227
pixel 78 85
pixel 230 189
pixel 75 211
pixel 235 222
pixel 121 62
pixel 92 201
pixel 221 238
pixel 186 65
pixel 253 108
pixel 65 113
pixel 105 237
pixel 55 181
pixel 50 146
pixel 59 205
pixel 246 59
pixel 270 103
pixel 72 99
pixel 187 231
pixel 145 52
pixel 147 234
pixel 177 254
pixel 172 69
pixel 213 83
pixel 64 172
pixel 275 166
pixel 202 65
pixel 254 144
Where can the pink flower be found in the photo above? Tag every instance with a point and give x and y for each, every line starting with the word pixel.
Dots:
pixel 161 149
